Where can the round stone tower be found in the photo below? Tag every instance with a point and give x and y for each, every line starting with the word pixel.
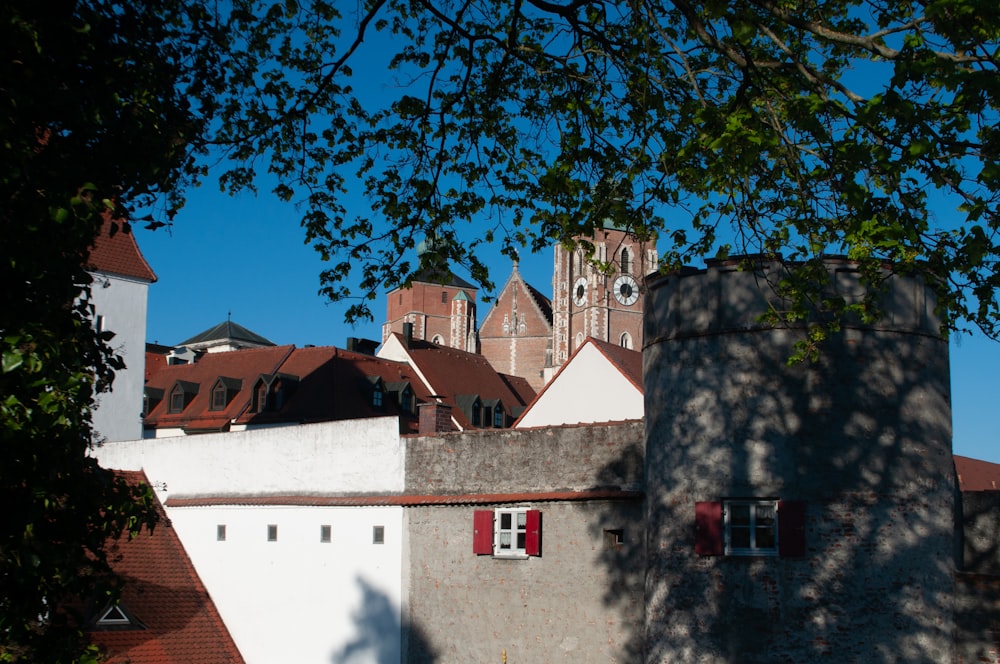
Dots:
pixel 795 511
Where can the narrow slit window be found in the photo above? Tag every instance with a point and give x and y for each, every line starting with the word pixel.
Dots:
pixel 220 532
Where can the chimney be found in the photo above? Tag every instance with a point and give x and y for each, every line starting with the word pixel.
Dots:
pixel 407 335
pixel 365 346
pixel 434 417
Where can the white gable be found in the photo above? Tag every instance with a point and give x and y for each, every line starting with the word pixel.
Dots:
pixel 588 389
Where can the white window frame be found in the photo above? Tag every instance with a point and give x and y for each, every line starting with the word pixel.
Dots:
pixel 506 540
pixel 753 527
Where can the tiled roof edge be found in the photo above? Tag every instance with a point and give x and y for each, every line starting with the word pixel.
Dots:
pixel 408 500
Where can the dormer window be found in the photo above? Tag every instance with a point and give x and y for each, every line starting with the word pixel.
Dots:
pixel 498 417
pixel 477 413
pixel 271 391
pixel 223 392
pixel 181 395
pixel 259 397
pixel 378 392
pixel 406 400
pixel 151 398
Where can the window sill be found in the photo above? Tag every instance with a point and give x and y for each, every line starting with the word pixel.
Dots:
pixel 511 556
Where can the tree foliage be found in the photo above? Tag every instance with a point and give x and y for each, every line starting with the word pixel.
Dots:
pixel 865 128
pixel 95 117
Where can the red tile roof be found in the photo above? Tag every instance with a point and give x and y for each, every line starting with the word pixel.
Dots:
pixel 321 384
pixel 454 373
pixel 116 252
pixel 163 592
pixel 976 475
pixel 243 367
pixel 337 384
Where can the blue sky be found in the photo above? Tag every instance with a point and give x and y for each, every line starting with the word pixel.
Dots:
pixel 247 256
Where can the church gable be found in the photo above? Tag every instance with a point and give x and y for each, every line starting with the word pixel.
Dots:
pixel 519 310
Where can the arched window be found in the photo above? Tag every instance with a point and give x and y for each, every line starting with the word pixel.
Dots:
pixel 578 340
pixel 437 339
pixel 625 261
pixel 626 340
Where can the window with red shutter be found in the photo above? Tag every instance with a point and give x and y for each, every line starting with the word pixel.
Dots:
pixel 791 528
pixel 507 532
pixel 533 534
pixel 708 539
pixel 482 532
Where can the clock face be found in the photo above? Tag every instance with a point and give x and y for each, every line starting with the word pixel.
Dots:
pixel 580 292
pixel 626 290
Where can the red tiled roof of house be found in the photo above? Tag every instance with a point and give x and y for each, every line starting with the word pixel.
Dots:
pixel 454 373
pixel 318 384
pixel 337 384
pixel 241 368
pixel 177 620
pixel 976 475
pixel 116 252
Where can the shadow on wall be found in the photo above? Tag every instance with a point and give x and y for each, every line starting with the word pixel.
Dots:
pixel 620 526
pixel 379 632
pixel 861 436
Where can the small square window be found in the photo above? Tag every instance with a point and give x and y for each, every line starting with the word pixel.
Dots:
pixel 220 532
pixel 751 527
pixel 378 535
pixel 272 533
pixel 325 534
pixel 614 538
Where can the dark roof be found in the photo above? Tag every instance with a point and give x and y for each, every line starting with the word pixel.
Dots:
pixel 337 384
pixel 451 372
pixel 976 475
pixel 116 252
pixel 446 278
pixel 174 618
pixel 544 303
pixel 227 330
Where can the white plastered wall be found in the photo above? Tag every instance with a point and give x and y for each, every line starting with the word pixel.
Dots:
pixel 589 389
pixel 295 599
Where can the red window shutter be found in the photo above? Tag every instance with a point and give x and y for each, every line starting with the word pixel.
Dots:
pixel 791 528
pixel 533 533
pixel 708 540
pixel 482 532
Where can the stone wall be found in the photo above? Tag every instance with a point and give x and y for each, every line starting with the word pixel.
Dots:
pixel 569 458
pixel 862 436
pixel 580 600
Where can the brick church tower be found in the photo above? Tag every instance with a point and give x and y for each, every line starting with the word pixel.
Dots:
pixel 587 302
pixel 441 307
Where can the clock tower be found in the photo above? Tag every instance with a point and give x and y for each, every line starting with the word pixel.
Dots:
pixel 588 302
